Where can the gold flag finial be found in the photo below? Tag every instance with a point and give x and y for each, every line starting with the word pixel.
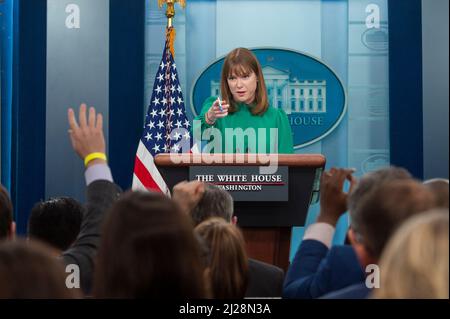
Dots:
pixel 170 12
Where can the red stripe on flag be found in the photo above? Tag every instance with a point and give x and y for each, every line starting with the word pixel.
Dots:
pixel 144 176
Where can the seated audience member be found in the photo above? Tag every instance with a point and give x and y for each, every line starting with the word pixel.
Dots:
pixel 215 202
pixel 439 187
pixel 56 222
pixel 374 221
pixel 318 268
pixel 227 273
pixel 148 250
pixel 414 264
pixel 29 271
pixel 87 138
pixel 202 201
pixel 7 225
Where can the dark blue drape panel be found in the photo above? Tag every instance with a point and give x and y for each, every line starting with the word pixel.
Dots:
pixel 6 42
pixel 28 116
pixel 405 85
pixel 126 98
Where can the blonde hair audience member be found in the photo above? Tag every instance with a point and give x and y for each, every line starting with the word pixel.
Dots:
pixel 414 264
pixel 227 273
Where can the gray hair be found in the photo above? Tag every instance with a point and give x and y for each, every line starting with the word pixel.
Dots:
pixel 369 183
pixel 215 202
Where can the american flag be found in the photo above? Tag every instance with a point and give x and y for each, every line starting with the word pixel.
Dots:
pixel 166 126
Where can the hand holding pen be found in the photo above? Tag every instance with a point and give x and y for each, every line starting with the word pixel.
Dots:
pixel 219 109
pixel 220 104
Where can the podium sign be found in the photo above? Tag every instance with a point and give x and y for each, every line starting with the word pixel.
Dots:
pixel 245 184
pixel 279 210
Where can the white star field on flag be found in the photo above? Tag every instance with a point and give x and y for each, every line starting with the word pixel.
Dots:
pixel 166 115
pixel 166 128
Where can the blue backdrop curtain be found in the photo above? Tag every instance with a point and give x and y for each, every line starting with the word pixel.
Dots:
pixel 27 121
pixel 406 89
pixel 6 54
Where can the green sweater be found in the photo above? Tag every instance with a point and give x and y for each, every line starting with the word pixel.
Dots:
pixel 271 141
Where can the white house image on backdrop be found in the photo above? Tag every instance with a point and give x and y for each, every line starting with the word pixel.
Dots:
pixel 289 93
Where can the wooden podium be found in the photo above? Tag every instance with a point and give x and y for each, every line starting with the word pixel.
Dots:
pixel 266 224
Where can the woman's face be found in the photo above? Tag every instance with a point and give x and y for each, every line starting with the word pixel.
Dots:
pixel 243 88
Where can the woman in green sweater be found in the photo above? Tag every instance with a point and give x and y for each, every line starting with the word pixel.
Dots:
pixel 246 122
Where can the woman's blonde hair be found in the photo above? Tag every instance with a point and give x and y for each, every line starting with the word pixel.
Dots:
pixel 414 264
pixel 227 272
pixel 242 62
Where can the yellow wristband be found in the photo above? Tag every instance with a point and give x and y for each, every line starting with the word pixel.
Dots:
pixel 94 156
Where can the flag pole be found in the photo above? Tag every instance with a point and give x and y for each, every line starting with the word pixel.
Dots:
pixel 166 119
pixel 170 14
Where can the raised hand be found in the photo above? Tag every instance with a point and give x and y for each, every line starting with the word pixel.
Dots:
pixel 333 199
pixel 87 135
pixel 188 194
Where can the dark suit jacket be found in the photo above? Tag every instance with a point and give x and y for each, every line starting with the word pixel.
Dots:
pixel 317 270
pixel 358 291
pixel 100 196
pixel 265 280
